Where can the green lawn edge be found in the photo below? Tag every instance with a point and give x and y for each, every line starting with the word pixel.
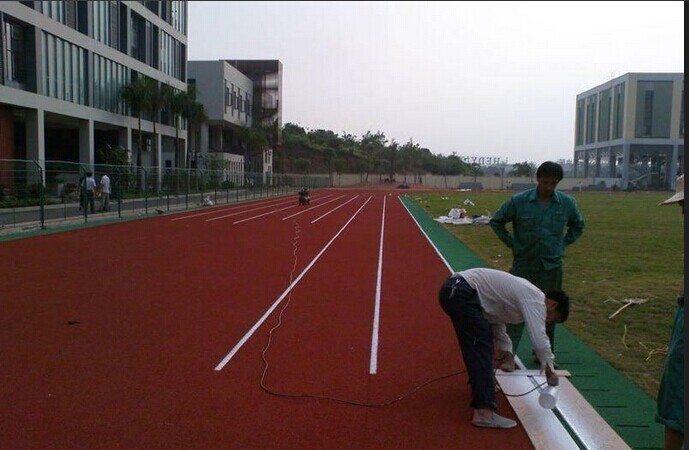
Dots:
pixel 623 405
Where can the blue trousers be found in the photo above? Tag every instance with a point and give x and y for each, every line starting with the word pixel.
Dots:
pixel 475 337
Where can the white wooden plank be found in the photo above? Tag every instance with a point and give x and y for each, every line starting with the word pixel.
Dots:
pixel 541 425
pixel 594 432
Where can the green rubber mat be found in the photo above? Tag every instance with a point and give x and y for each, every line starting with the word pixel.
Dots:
pixel 624 406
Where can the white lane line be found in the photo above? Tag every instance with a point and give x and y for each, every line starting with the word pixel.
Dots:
pixel 263 318
pixel 313 207
pixel 248 210
pixel 253 209
pixel 219 210
pixel 319 218
pixel 269 213
pixel 373 367
pixel 447 264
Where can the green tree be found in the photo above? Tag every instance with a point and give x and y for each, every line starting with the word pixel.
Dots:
pixel 135 95
pixel 156 102
pixel 195 113
pixel 254 141
pixel 523 169
pixel 303 165
pixel 176 103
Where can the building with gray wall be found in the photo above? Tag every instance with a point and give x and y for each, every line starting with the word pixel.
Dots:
pixel 63 65
pixel 227 95
pixel 238 94
pixel 630 130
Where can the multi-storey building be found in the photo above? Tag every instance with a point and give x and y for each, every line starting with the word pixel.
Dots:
pixel 63 65
pixel 630 130
pixel 238 94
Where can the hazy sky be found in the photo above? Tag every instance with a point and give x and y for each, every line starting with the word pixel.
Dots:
pixel 488 79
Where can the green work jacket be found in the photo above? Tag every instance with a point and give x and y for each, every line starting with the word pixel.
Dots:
pixel 539 238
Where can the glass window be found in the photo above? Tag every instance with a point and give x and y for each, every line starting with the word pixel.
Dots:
pixel 580 122
pixel 96 82
pixel 75 76
pixel 604 109
pixel 653 109
pixel 44 50
pixel 618 106
pixel 52 87
pixel 15 58
pixel 60 69
pixel 68 71
pixel 591 118
pixel 83 76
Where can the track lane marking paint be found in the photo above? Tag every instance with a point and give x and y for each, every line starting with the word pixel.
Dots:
pixel 312 207
pixel 373 366
pixel 277 302
pixel 220 210
pixel 447 264
pixel 333 210
pixel 264 214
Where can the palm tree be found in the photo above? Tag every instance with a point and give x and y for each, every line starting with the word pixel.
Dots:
pixel 135 95
pixel 254 140
pixel 195 114
pixel 177 103
pixel 155 104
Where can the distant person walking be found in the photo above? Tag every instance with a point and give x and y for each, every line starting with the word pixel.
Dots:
pixel 105 193
pixel 671 394
pixel 90 184
pixel 539 217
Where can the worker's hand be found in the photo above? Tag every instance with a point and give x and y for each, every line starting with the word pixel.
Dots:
pixel 506 360
pixel 551 376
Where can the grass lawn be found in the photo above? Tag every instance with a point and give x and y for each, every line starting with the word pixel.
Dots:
pixel 631 249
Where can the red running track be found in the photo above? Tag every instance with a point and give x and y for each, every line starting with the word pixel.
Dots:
pixel 118 336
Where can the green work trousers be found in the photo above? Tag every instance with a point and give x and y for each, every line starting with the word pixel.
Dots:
pixel 545 280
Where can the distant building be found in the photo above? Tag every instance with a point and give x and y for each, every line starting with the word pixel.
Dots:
pixel 630 130
pixel 63 65
pixel 238 94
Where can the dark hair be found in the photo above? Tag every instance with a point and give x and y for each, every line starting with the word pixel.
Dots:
pixel 562 301
pixel 550 168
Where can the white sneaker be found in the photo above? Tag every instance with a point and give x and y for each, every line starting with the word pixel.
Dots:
pixel 493 421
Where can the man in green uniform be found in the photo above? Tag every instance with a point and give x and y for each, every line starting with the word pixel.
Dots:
pixel 671 394
pixel 544 221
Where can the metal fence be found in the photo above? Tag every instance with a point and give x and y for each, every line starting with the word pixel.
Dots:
pixel 34 194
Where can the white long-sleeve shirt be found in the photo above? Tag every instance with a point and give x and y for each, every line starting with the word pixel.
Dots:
pixel 506 298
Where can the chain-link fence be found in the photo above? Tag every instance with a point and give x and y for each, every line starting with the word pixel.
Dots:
pixel 32 195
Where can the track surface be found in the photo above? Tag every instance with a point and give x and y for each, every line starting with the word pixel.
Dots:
pixel 150 334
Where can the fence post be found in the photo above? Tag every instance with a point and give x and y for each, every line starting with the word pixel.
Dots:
pixel 41 193
pixel 145 190
pixel 82 190
pixel 186 189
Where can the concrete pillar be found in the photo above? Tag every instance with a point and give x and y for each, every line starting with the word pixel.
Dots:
pixel 124 139
pixel 184 148
pixel 597 158
pixel 35 138
pixel 612 162
pixel 159 159
pixel 586 163
pixel 626 156
pixel 672 167
pixel 86 146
